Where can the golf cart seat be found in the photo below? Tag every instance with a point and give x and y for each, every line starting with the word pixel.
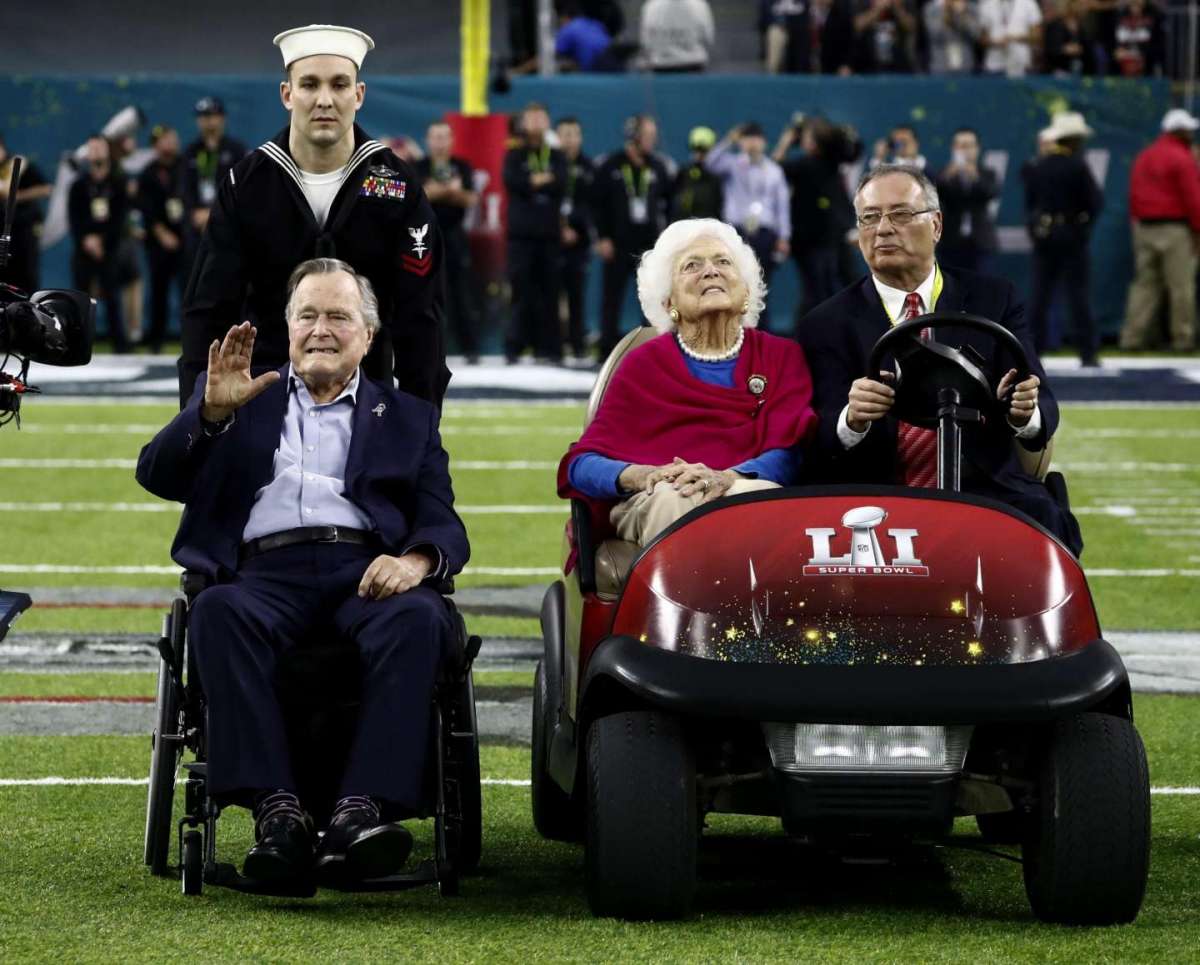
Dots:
pixel 614 556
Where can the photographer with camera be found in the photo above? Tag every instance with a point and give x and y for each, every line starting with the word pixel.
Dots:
pixel 821 210
pixel 98 208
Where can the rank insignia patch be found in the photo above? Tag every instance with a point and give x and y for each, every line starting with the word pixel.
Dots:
pixel 380 186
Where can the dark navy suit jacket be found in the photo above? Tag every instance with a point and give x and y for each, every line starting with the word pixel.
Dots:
pixel 396 471
pixel 838 336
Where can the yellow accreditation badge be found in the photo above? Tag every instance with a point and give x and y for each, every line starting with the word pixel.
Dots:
pixel 174 210
pixel 100 210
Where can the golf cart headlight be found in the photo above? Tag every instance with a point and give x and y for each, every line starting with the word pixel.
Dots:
pixel 861 747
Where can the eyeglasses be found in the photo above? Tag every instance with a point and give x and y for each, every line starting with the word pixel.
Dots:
pixel 899 218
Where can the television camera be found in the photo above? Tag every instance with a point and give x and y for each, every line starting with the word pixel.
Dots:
pixel 52 327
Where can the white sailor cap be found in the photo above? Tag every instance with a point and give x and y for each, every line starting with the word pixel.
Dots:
pixel 323 38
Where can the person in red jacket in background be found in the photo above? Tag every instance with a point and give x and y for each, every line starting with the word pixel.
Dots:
pixel 1164 203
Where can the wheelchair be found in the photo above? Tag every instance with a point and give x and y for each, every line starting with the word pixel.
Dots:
pixel 318 689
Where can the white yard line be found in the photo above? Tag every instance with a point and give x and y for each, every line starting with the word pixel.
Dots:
pixel 91 429
pixel 143 781
pixel 1114 433
pixel 462 465
pixel 469 571
pixel 168 507
pixel 507 464
pixel 1151 572
pixel 1168 791
pixel 1132 465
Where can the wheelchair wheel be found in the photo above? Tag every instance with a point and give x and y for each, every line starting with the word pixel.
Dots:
pixel 166 749
pixel 192 877
pixel 464 800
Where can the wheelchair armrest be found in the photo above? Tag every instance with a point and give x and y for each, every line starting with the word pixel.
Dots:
pixel 585 548
pixel 191 582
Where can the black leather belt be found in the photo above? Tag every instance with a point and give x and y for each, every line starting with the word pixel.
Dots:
pixel 306 534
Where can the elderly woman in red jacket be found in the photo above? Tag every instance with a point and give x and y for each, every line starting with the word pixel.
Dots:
pixel 711 408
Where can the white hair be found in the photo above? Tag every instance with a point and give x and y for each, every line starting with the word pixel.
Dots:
pixel 656 273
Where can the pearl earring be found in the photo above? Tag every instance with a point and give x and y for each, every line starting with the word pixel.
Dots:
pixel 745 306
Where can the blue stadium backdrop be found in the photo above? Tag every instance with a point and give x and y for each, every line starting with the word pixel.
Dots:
pixel 42 116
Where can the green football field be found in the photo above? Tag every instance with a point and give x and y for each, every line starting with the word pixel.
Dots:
pixel 72 885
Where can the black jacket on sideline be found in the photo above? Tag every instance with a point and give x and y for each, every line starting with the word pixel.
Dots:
pixel 822 212
pixel 160 189
pixel 611 201
pixel 965 206
pixel 98 208
pixel 577 201
pixel 262 227
pixel 1062 200
pixel 534 213
pixel 204 171
pixel 698 193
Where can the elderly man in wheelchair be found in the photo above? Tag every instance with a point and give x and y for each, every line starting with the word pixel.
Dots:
pixel 316 503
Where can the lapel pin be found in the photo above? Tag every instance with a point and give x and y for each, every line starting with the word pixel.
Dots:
pixel 379 410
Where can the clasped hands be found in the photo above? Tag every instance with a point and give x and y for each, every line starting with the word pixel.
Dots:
pixel 687 477
pixel 870 400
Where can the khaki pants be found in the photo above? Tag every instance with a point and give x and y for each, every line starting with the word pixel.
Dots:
pixel 1164 260
pixel 643 516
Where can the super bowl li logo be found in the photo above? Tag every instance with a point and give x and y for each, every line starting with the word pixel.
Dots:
pixel 866 555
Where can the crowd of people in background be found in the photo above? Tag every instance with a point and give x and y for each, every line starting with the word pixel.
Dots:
pixel 1126 38
pixel 568 209
pixel 1010 37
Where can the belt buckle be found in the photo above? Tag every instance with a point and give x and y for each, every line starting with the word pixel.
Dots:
pixel 333 538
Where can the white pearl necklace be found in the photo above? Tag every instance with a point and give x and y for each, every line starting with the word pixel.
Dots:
pixel 722 357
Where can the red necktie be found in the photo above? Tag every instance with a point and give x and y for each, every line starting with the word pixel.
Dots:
pixel 917 446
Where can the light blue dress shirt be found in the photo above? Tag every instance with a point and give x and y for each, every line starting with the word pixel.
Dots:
pixel 308 484
pixel 756 195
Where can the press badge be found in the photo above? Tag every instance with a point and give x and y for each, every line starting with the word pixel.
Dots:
pixel 208 192
pixel 639 210
pixel 174 209
pixel 99 209
pixel 567 208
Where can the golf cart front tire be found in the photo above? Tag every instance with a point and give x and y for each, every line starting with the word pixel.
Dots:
pixel 642 825
pixel 1087 857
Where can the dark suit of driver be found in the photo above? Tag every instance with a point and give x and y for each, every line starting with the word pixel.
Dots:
pixel 838 336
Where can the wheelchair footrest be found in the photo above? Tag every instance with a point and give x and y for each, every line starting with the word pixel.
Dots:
pixel 423 874
pixel 227 876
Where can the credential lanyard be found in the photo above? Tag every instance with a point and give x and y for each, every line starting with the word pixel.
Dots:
pixel 643 189
pixel 933 296
pixel 539 162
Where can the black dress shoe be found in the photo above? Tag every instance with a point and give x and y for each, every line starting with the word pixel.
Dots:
pixel 358 846
pixel 283 853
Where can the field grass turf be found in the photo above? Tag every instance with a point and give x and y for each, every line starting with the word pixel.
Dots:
pixel 75 888
pixel 1157 525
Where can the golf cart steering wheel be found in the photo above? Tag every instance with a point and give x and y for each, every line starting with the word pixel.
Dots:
pixel 924 368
